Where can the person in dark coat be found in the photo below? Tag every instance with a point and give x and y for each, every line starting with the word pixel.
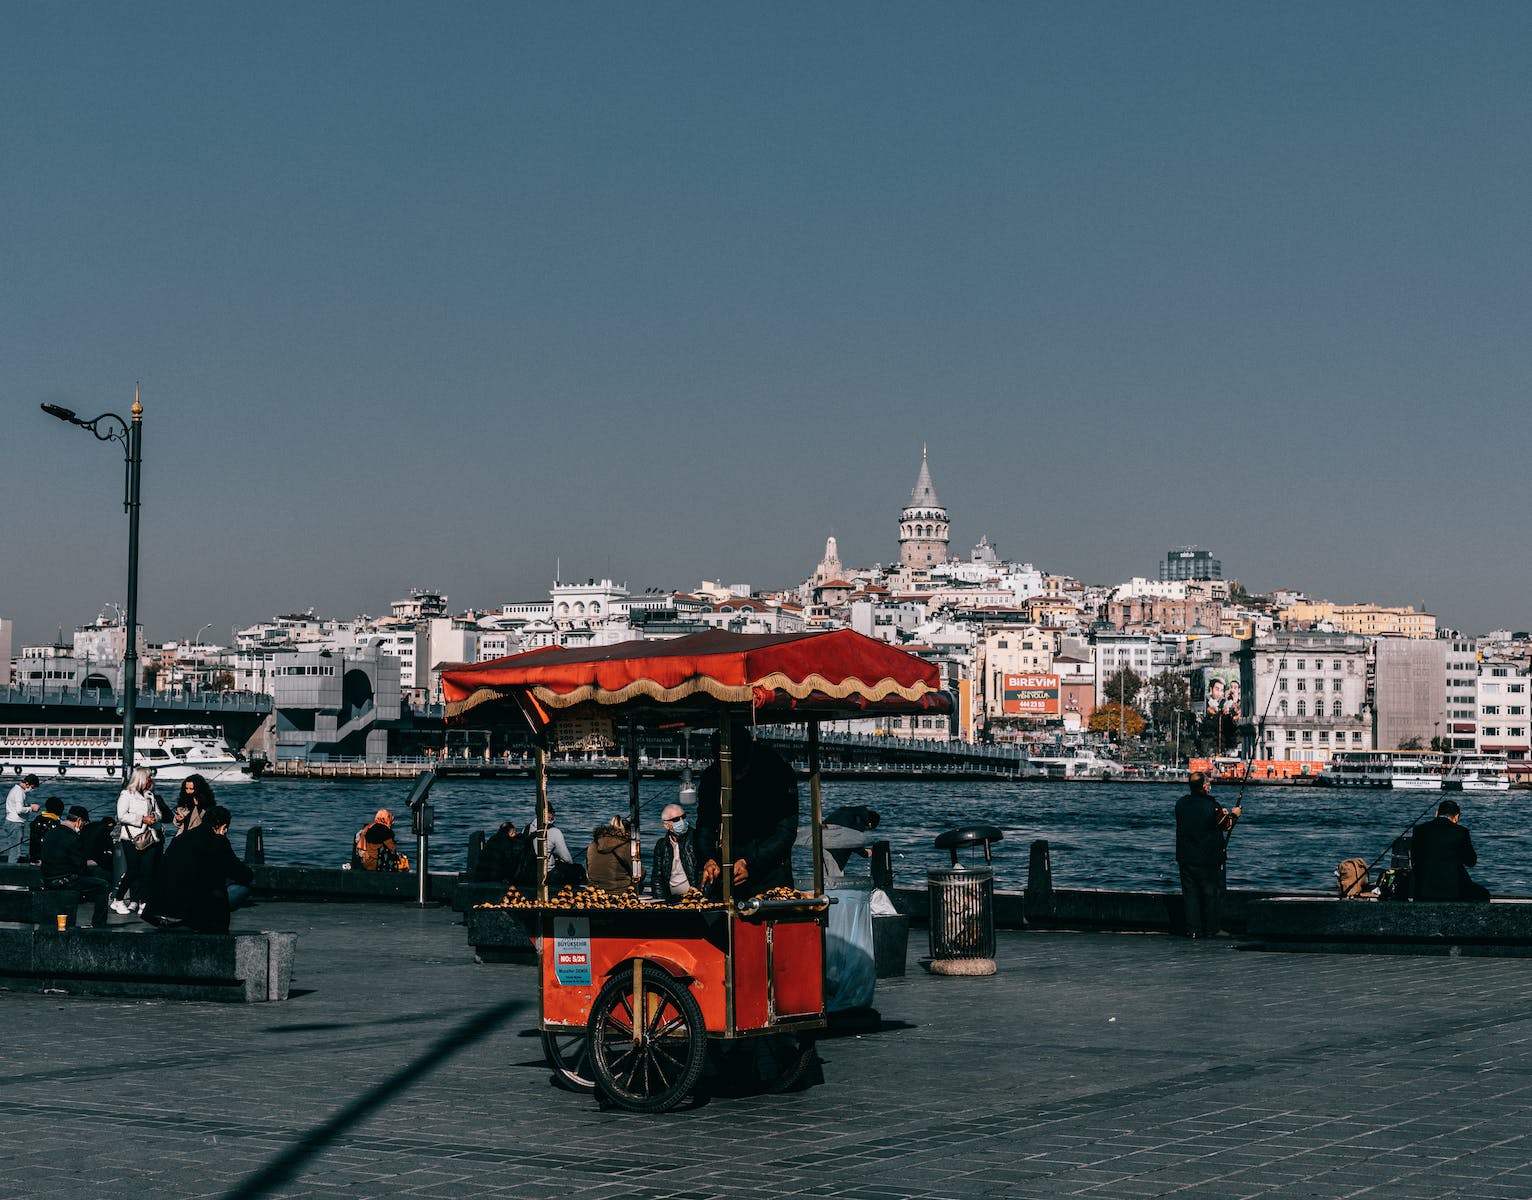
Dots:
pixel 1440 854
pixel 66 868
pixel 1202 834
pixel 609 858
pixel 507 857
pixel 45 823
pixel 765 825
pixel 200 880
pixel 673 871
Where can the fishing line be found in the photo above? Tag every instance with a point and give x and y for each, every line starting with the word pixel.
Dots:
pixel 1239 801
pixel 1387 849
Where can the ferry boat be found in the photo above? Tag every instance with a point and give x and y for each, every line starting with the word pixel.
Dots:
pixel 1477 773
pixel 1404 770
pixel 93 753
pixel 1073 762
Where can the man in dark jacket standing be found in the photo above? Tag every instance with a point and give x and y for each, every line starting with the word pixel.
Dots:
pixel 200 880
pixel 1202 829
pixel 66 868
pixel 765 825
pixel 1440 854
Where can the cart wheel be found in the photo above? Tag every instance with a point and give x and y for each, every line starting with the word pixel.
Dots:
pixel 568 1053
pixel 646 1052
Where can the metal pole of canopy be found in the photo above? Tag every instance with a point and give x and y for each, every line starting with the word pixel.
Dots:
pixel 726 807
pixel 816 807
pixel 634 851
pixel 541 836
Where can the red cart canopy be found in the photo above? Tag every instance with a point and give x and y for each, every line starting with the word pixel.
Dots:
pixel 786 676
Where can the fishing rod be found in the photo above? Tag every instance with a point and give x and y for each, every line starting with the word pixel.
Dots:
pixel 1419 817
pixel 1239 800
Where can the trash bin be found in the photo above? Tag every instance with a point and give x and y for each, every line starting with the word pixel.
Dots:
pixel 962 929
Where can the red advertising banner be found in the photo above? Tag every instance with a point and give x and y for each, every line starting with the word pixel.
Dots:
pixel 1030 695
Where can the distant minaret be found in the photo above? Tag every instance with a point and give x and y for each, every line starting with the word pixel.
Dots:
pixel 923 523
pixel 829 566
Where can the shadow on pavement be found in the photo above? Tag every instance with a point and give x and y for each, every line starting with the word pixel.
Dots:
pixel 288 1164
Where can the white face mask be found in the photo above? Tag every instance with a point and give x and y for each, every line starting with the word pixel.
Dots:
pixel 679 826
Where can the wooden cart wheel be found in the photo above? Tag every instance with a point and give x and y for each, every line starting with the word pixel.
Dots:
pixel 568 1053
pixel 647 1044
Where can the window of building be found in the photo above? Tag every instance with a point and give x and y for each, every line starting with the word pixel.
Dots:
pixel 1308 735
pixel 1335 666
pixel 1292 735
pixel 1302 684
pixel 1303 710
pixel 1302 664
pixel 1282 708
pixel 1281 685
pixel 1335 685
pixel 1335 709
pixel 1490 731
pixel 1356 735
pixel 1324 735
pixel 1492 710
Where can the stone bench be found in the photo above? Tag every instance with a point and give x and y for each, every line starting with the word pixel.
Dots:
pixel 20 875
pixel 335 883
pixel 239 967
pixel 1502 928
pixel 499 935
pixel 36 906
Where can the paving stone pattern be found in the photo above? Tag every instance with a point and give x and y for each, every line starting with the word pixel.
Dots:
pixel 1091 1065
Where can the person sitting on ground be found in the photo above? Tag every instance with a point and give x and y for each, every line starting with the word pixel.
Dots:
pixel 508 858
pixel 1440 854
pixel 674 871
pixel 200 880
pixel 193 799
pixel 375 848
pixel 66 868
pixel 609 858
pixel 44 824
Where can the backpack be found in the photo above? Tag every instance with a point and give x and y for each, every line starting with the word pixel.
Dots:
pixel 523 863
pixel 1351 878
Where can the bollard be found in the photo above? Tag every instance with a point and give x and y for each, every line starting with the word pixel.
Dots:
pixel 475 848
pixel 882 869
pixel 255 847
pixel 1039 893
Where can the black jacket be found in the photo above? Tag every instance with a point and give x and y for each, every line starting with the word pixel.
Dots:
pixel 1440 854
pixel 660 862
pixel 1201 839
pixel 42 825
pixel 191 883
pixel 765 819
pixel 63 852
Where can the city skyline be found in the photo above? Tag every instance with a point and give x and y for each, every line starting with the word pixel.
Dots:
pixel 446 299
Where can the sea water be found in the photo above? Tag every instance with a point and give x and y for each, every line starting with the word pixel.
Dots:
pixel 1108 835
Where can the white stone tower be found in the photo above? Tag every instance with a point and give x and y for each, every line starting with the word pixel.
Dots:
pixel 923 523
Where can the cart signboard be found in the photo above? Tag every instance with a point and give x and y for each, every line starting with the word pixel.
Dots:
pixel 571 951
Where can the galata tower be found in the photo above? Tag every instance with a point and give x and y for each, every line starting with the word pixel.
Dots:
pixel 923 523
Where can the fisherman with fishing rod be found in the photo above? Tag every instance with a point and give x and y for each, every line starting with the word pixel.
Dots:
pixel 1202 839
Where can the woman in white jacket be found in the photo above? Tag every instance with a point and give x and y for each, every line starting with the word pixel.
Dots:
pixel 137 813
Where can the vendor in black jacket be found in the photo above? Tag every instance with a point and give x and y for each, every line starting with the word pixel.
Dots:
pixel 200 880
pixel 1440 854
pixel 765 806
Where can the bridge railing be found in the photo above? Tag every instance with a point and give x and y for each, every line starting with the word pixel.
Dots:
pixel 33 693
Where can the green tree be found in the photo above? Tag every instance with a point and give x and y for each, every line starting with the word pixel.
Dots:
pixel 1170 695
pixel 1123 686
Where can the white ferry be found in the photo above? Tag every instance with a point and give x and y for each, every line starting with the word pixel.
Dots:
pixel 93 753
pixel 1073 763
pixel 1405 770
pixel 1477 773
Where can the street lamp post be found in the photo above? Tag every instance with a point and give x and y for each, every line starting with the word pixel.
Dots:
pixel 109 427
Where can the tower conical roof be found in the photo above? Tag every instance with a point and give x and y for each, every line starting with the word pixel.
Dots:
pixel 923 494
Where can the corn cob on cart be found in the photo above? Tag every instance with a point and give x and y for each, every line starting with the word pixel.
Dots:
pixel 631 993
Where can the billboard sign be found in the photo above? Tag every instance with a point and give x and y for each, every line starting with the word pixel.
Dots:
pixel 1220 692
pixel 1030 695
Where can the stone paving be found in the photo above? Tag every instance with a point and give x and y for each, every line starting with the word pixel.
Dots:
pixel 1093 1065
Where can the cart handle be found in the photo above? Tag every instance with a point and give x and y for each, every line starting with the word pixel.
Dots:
pixel 754 905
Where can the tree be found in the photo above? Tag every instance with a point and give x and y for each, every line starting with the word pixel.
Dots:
pixel 1171 695
pixel 1117 720
pixel 1123 686
pixel 1411 743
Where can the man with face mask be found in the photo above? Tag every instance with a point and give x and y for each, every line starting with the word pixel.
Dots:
pixel 673 870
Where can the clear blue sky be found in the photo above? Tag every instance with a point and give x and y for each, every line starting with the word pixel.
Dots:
pixel 445 294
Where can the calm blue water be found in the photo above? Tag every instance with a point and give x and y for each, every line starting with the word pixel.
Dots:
pixel 1102 834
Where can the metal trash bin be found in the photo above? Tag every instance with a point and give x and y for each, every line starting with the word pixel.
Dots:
pixel 962 898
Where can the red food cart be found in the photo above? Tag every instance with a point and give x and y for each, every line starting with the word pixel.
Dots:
pixel 631 994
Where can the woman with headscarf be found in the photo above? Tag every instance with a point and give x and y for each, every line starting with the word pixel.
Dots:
pixel 375 848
